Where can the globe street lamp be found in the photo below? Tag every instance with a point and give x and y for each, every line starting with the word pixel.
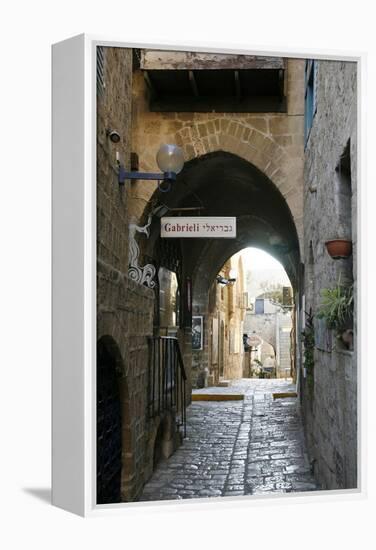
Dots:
pixel 170 160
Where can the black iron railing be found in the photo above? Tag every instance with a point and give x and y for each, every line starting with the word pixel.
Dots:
pixel 167 379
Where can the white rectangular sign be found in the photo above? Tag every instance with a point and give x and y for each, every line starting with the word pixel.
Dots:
pixel 202 227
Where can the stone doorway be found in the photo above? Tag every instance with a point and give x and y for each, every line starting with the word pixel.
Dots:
pixel 109 425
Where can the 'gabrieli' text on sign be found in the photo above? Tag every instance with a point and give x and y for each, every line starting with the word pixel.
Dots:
pixel 198 227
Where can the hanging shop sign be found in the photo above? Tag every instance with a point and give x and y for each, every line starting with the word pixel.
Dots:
pixel 198 227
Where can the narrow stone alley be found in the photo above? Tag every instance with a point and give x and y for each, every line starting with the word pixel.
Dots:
pixel 250 446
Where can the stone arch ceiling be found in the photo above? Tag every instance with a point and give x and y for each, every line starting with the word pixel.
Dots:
pixel 281 164
pixel 227 185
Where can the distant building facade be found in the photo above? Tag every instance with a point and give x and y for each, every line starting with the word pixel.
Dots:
pixel 273 325
pixel 227 306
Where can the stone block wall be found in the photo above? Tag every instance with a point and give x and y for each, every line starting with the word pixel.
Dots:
pixel 330 412
pixel 113 113
pixel 124 312
pixel 124 308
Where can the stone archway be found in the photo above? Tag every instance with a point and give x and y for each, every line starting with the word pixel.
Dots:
pixel 224 184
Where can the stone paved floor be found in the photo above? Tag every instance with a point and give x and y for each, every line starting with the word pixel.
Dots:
pixel 249 447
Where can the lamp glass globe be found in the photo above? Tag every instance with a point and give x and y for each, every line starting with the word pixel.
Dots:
pixel 170 158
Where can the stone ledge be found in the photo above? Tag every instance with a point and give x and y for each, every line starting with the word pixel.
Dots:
pixel 284 395
pixel 217 396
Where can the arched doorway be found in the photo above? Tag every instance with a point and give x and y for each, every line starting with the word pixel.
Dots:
pixel 109 423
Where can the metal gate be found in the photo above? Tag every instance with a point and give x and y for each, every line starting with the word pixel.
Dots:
pixel 109 445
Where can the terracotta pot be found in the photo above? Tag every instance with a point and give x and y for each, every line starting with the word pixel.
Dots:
pixel 339 248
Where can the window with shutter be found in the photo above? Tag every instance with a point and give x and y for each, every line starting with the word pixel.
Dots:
pixel 310 98
pixel 100 70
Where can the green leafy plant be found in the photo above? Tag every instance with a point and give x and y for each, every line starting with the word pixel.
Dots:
pixel 337 306
pixel 257 368
pixel 308 335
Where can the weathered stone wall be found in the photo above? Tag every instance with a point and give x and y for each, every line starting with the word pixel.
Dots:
pixel 274 328
pixel 113 112
pixel 124 308
pixel 330 413
pixel 284 366
pixel 264 325
pixel 223 350
pixel 124 312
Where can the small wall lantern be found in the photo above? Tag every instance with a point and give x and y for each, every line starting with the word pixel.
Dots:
pixel 170 159
pixel 224 281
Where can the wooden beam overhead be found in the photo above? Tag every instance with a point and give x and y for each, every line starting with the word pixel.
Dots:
pixel 168 60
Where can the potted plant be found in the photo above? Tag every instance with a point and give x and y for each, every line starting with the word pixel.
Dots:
pixel 337 309
pixel 339 248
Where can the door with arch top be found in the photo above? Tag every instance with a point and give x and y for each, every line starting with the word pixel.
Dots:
pixel 109 424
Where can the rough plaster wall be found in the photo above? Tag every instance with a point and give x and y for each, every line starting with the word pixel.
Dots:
pixel 330 417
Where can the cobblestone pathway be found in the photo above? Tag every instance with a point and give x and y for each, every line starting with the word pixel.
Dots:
pixel 249 447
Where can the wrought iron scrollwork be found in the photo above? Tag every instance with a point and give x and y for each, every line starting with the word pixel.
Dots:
pixel 142 275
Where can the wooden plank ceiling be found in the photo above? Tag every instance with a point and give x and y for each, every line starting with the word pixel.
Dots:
pixel 205 82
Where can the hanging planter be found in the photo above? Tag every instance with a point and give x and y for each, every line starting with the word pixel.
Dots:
pixel 339 248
